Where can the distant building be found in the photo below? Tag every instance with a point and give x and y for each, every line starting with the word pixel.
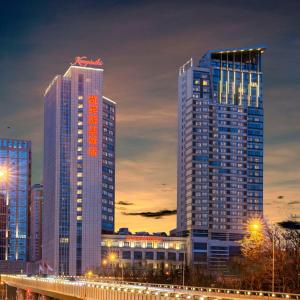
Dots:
pixel 124 231
pixel 146 252
pixel 36 205
pixel 220 151
pixel 15 183
pixel 79 168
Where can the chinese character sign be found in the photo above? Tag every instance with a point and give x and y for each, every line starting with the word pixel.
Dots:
pixel 93 125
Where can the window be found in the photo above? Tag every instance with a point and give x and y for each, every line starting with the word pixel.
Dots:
pixel 160 255
pixel 172 256
pixel 149 255
pixel 137 255
pixel 126 255
pixel 181 256
pixel 149 245
pixel 200 256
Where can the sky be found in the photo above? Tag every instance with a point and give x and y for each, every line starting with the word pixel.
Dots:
pixel 142 45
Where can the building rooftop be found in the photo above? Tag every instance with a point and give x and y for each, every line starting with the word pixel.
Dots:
pixel 233 50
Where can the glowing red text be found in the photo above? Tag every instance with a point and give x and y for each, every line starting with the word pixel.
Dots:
pixel 92 119
pixel 83 61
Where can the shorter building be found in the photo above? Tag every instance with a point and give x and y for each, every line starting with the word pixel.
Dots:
pixel 15 183
pixel 35 243
pixel 142 252
pixel 159 253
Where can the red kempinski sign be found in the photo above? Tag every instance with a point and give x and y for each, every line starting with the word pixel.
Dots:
pixel 83 61
pixel 92 125
pixel 143 238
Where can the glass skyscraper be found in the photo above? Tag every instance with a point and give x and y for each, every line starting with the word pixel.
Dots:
pixel 79 168
pixel 220 151
pixel 36 205
pixel 15 182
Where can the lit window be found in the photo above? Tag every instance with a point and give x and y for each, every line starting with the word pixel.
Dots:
pixel 79 200
pixel 80 105
pixel 79 123
pixel 79 183
pixel 205 82
pixel 79 218
pixel 79 208
pixel 80 140
pixel 64 240
pixel 79 157
pixel 79 149
pixel 80 131
pixel 79 174
pixel 80 97
pixel 79 192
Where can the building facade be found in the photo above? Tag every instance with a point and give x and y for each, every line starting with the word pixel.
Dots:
pixel 15 183
pixel 220 151
pixel 36 206
pixel 79 168
pixel 137 253
pixel 3 226
pixel 108 165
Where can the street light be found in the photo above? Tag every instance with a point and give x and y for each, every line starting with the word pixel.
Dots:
pixel 3 173
pixel 89 274
pixel 255 227
pixel 112 258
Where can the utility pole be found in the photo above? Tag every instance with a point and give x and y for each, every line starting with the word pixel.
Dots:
pixel 183 266
pixel 273 258
pixel 122 269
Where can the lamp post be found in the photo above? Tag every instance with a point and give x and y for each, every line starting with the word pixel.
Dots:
pixel 112 258
pixel 104 263
pixel 273 258
pixel 255 227
pixel 183 266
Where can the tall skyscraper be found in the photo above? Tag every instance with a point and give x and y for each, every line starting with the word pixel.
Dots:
pixel 79 168
pixel 35 240
pixel 15 182
pixel 220 150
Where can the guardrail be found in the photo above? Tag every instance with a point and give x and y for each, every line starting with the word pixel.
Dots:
pixel 241 292
pixel 103 288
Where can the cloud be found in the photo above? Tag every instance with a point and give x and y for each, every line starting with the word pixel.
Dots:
pixel 292 225
pixel 294 202
pixel 156 215
pixel 125 203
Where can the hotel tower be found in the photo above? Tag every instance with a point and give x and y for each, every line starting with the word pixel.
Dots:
pixel 220 151
pixel 79 168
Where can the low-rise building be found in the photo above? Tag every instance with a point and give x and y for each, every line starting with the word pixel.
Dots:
pixel 143 252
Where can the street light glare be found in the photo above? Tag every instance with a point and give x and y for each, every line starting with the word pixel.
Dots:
pixel 112 257
pixel 255 226
pixel 3 173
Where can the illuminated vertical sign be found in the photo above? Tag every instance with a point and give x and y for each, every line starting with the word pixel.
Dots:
pixel 93 125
